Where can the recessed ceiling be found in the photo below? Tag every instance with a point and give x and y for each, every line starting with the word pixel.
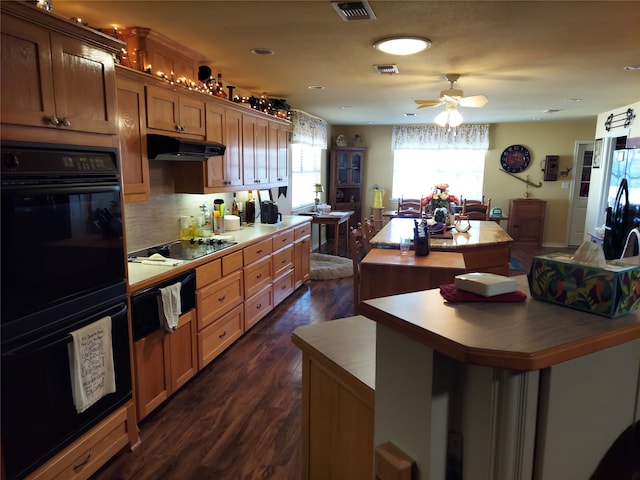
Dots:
pixel 527 57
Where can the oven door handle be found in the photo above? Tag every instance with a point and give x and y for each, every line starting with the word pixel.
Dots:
pixel 45 342
pixel 77 188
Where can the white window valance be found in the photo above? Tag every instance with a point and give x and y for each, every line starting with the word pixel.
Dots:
pixel 433 137
pixel 308 130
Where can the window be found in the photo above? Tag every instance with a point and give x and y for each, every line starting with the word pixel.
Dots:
pixel 306 170
pixel 416 172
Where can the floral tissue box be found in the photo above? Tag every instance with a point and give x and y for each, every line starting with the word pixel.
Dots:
pixel 611 291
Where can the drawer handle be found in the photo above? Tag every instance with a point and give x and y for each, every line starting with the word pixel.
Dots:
pixel 222 298
pixel 259 306
pixel 284 287
pixel 284 261
pixel 223 334
pixel 83 463
pixel 284 240
pixel 259 276
pixel 259 251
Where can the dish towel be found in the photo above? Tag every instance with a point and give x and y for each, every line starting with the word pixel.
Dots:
pixel 91 363
pixel 454 295
pixel 169 306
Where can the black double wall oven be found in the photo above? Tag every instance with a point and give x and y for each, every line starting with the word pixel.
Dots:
pixel 63 268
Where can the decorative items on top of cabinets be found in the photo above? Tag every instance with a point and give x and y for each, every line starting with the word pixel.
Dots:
pixel 345 182
pixel 131 132
pixel 526 220
pixel 171 111
pixel 57 75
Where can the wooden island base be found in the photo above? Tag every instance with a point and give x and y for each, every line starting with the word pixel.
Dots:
pixel 501 391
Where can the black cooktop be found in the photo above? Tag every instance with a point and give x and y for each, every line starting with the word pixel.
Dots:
pixel 186 249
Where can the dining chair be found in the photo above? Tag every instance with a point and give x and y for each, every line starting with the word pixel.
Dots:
pixel 476 211
pixel 370 231
pixel 471 201
pixel 410 207
pixel 358 251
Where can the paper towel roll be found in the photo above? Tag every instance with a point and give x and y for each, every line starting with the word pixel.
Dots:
pixel 231 222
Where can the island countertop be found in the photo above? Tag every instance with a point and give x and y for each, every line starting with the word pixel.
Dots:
pixel 521 336
pixel 480 234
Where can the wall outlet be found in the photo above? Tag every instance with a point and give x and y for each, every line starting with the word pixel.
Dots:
pixel 565 185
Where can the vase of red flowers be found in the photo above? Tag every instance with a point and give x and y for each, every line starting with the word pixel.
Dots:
pixel 439 203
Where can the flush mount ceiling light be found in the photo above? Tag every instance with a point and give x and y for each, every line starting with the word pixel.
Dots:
pixel 402 45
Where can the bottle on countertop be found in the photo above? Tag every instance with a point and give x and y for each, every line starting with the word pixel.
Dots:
pixel 218 220
pixel 250 209
pixel 234 206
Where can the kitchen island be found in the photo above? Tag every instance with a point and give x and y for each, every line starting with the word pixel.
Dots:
pixel 486 247
pixel 502 390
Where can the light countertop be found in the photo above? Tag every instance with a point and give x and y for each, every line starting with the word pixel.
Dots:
pixel 141 276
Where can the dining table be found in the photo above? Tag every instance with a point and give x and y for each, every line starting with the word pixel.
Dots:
pixel 335 218
pixel 485 247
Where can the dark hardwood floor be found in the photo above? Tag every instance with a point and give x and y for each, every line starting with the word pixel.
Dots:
pixel 240 417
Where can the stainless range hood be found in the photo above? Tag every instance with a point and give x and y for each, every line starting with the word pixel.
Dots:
pixel 164 147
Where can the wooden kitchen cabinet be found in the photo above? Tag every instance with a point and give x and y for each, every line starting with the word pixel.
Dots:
pixel 56 75
pixel 132 133
pixel 83 458
pixel 526 220
pixel 302 255
pixel 164 362
pixel 254 150
pixel 283 265
pixel 219 298
pixel 172 111
pixel 278 152
pixel 217 174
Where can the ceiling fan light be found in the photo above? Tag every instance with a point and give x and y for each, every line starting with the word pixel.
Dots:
pixel 442 118
pixel 455 118
pixel 402 45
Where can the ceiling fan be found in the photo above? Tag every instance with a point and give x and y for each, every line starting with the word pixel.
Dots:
pixel 453 97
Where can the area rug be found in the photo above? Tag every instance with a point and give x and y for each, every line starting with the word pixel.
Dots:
pixel 330 267
pixel 514 265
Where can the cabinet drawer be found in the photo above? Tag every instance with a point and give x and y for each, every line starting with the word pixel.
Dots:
pixel 303 230
pixel 217 298
pixel 258 306
pixel 283 287
pixel 86 456
pixel 256 276
pixel 231 262
pixel 257 251
pixel 282 261
pixel 282 239
pixel 214 339
pixel 208 273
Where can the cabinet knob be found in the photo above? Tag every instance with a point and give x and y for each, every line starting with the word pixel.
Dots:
pixel 65 122
pixel 52 120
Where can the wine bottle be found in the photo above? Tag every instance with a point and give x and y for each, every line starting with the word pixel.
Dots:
pixel 234 206
pixel 250 209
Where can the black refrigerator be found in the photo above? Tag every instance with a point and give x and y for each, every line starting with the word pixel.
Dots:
pixel 623 203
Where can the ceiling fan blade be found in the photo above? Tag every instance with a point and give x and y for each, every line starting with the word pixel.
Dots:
pixel 452 98
pixel 428 103
pixel 475 101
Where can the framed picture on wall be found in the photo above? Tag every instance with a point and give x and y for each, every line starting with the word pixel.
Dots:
pixel 597 153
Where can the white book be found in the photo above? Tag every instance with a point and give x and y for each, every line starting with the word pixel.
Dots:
pixel 485 284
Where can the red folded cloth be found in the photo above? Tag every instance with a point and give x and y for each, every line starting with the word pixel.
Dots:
pixel 453 294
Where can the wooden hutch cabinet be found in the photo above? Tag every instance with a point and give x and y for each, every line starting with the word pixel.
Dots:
pixel 346 165
pixel 526 220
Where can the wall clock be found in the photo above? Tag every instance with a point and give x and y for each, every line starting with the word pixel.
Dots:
pixel 515 159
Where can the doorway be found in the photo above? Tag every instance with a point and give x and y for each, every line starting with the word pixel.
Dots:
pixel 582 165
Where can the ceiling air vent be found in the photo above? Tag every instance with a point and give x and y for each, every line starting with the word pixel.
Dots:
pixel 354 11
pixel 386 69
